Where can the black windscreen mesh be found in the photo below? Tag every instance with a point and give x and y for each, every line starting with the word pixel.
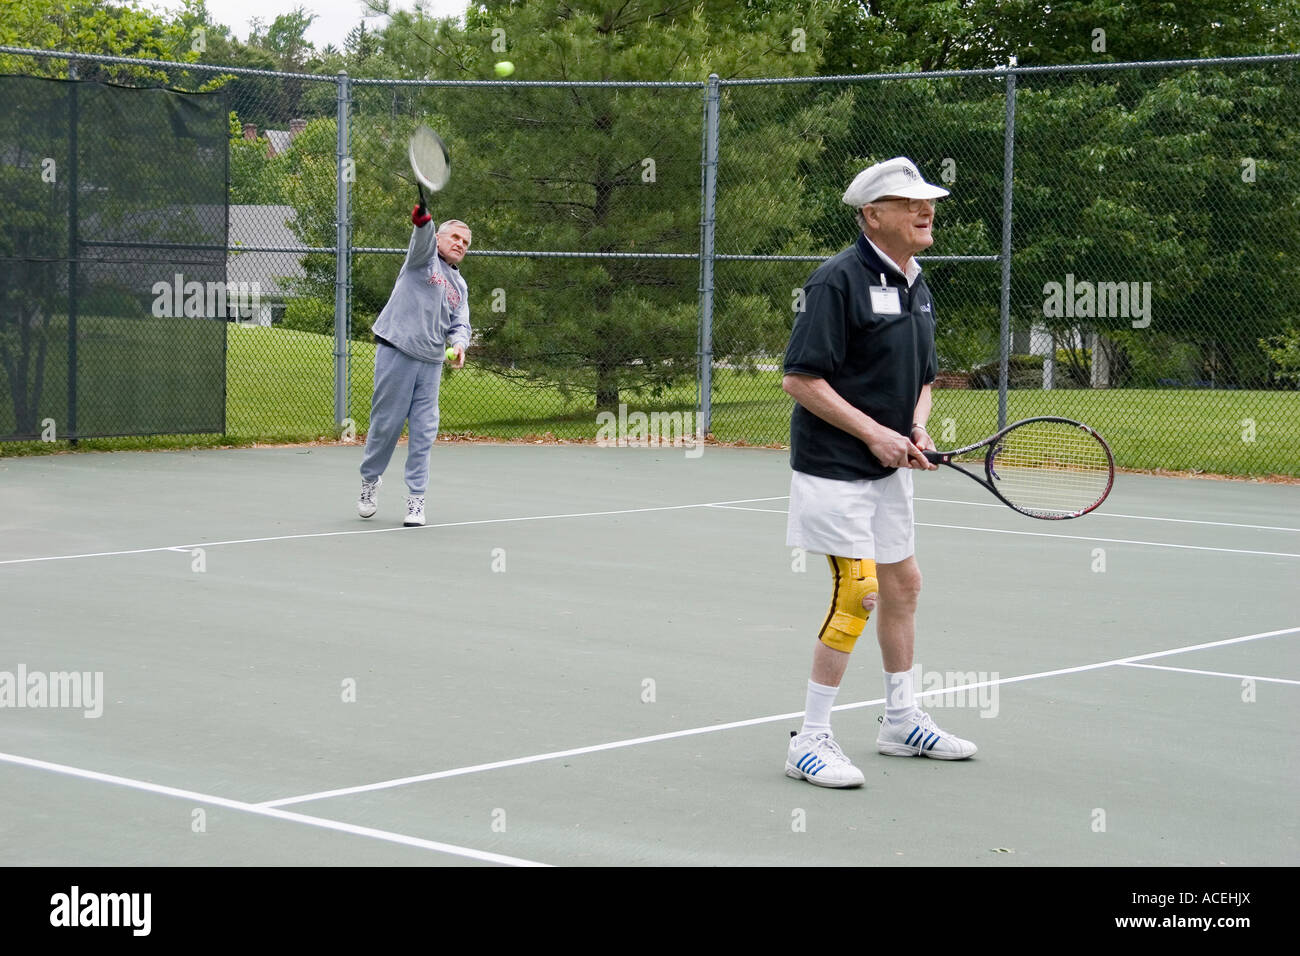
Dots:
pixel 113 293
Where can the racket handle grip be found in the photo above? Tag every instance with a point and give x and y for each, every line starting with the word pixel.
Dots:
pixel 935 457
pixel 420 216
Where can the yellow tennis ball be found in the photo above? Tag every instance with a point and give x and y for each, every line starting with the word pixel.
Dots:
pixel 504 68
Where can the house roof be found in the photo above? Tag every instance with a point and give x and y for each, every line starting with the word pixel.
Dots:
pixel 279 139
pixel 264 226
pixel 138 268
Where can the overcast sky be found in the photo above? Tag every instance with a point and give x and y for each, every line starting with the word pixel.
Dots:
pixel 333 21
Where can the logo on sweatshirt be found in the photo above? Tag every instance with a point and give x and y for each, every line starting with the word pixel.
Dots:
pixel 449 290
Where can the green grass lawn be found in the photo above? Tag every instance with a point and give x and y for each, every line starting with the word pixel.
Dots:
pixel 1213 431
pixel 280 389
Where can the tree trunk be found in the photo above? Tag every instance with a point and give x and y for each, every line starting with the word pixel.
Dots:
pixel 1101 361
pixel 606 387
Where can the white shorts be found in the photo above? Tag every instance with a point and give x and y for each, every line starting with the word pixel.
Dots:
pixel 853 519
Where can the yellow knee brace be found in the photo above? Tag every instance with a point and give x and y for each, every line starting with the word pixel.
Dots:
pixel 855 578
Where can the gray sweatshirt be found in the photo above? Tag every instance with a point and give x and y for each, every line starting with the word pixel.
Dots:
pixel 428 311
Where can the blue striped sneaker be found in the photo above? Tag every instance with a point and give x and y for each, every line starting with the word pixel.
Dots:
pixel 917 736
pixel 818 759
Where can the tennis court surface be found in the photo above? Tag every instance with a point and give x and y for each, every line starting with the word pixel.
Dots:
pixel 595 656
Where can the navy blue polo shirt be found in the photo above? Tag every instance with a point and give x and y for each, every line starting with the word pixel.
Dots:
pixel 877 362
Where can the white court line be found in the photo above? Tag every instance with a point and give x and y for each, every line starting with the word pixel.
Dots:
pixel 1076 537
pixel 1188 670
pixel 732 725
pixel 1097 514
pixel 721 505
pixel 1112 514
pixel 264 811
pixel 1068 537
pixel 385 530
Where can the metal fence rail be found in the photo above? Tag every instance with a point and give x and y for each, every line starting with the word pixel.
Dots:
pixel 1119 244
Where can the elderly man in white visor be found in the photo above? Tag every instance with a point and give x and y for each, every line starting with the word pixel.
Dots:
pixel 859 365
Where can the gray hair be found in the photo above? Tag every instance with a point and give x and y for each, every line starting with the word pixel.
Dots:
pixel 443 227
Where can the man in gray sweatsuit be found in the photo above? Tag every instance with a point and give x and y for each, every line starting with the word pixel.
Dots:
pixel 426 316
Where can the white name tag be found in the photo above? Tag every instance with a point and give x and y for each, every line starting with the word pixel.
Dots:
pixel 884 300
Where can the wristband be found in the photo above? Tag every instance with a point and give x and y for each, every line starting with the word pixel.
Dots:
pixel 916 425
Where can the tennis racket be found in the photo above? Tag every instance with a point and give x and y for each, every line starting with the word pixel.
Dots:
pixel 1051 468
pixel 430 161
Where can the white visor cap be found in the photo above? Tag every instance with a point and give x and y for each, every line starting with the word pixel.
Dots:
pixel 894 177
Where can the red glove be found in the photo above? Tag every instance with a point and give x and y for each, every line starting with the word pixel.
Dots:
pixel 420 216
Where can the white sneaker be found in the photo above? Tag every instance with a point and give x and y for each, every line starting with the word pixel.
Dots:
pixel 917 736
pixel 368 504
pixel 414 511
pixel 818 759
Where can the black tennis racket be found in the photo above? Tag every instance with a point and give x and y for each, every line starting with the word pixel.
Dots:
pixel 1051 468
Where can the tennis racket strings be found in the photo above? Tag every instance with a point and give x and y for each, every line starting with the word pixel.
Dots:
pixel 1053 469
pixel 429 158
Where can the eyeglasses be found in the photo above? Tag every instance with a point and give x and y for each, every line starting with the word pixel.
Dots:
pixel 913 205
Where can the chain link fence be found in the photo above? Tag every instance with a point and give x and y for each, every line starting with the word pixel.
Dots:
pixel 583 200
pixel 787 151
pixel 114 205
pixel 644 245
pixel 1153 234
pixel 1154 273
pixel 276 156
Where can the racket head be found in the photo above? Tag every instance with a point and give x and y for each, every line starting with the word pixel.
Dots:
pixel 1050 468
pixel 430 161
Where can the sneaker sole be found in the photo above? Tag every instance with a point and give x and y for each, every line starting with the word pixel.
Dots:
pixel 901 750
pixel 792 771
pixel 366 514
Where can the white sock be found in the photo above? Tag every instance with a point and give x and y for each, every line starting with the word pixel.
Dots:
pixel 817 708
pixel 899 700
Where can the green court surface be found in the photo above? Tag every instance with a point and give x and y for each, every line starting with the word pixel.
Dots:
pixel 594 656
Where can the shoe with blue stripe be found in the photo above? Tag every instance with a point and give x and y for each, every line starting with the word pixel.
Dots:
pixel 818 759
pixel 917 736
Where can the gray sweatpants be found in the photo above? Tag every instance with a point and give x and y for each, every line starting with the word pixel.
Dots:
pixel 405 388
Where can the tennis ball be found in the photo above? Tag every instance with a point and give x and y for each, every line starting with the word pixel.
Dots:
pixel 504 68
pixel 452 353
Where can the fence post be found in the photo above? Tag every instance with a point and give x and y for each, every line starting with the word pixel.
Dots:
pixel 1008 167
pixel 342 257
pixel 74 252
pixel 710 190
